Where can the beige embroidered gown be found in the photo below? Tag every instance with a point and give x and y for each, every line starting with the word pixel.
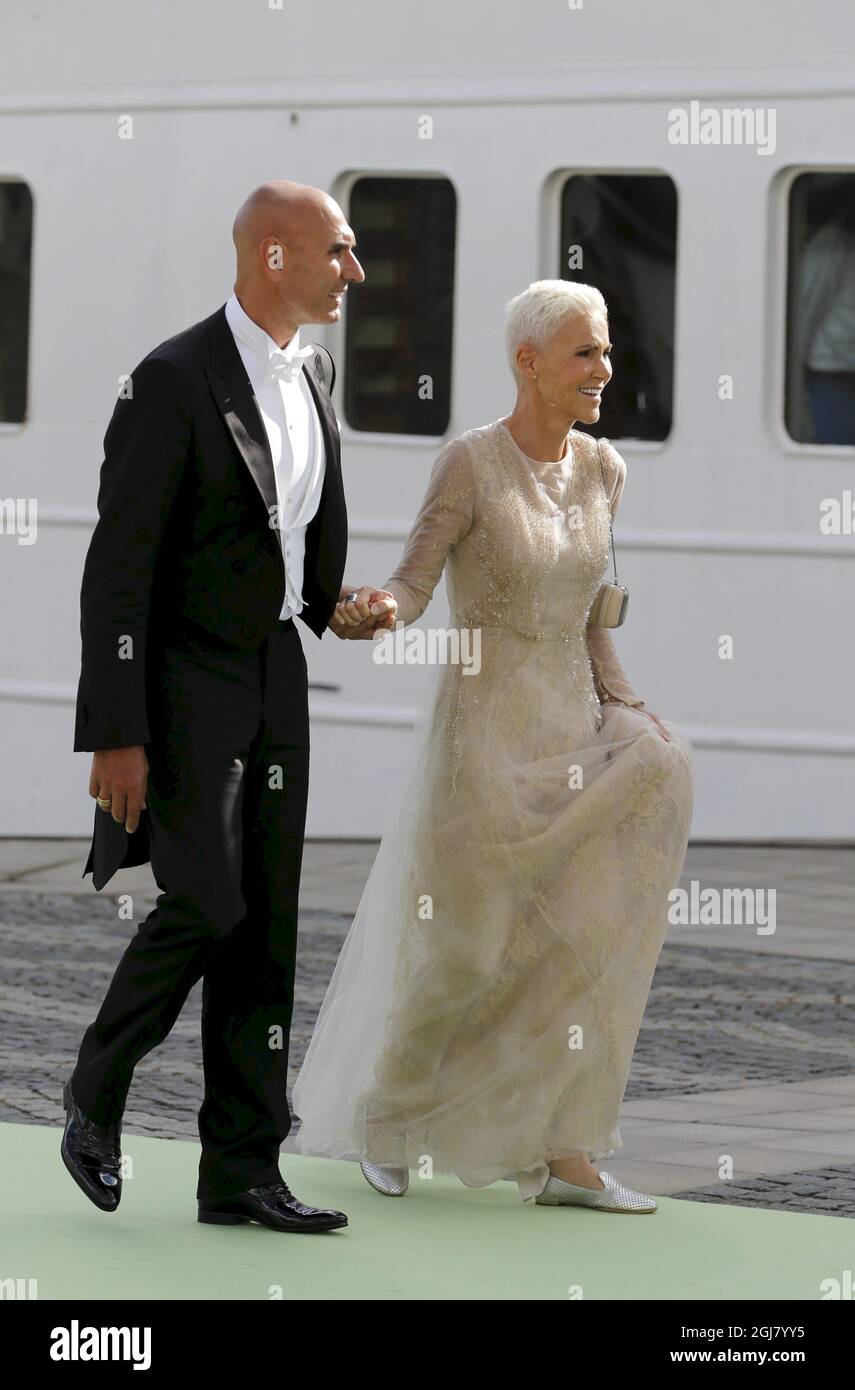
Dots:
pixel 484 1009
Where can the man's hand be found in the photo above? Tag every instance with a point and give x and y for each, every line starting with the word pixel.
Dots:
pixel 120 775
pixel 373 610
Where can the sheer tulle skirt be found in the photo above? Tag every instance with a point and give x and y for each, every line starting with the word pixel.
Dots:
pixel 484 1009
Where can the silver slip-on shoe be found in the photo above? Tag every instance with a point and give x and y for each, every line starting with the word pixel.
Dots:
pixel 613 1196
pixel 392 1182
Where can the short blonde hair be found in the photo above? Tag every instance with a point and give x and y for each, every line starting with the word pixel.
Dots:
pixel 535 314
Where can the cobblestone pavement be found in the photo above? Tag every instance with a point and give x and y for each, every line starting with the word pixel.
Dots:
pixel 828 1191
pixel 716 1020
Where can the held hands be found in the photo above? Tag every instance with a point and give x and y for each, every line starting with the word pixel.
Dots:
pixel 372 611
pixel 119 775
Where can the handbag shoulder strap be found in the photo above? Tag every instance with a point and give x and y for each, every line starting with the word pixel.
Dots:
pixel 609 505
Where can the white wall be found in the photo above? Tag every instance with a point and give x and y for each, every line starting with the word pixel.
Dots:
pixel 718 531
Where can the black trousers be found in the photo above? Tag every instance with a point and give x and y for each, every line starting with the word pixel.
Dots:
pixel 226 796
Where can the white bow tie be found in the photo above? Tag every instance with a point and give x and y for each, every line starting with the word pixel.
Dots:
pixel 289 367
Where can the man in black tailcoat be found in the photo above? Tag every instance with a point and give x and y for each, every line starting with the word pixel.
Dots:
pixel 221 518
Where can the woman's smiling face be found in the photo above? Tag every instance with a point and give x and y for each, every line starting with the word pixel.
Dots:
pixel 574 367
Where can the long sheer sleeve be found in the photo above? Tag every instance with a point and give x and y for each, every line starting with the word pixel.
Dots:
pixel 443 519
pixel 610 679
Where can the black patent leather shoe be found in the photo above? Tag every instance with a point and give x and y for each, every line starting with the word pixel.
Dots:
pixel 274 1205
pixel 92 1154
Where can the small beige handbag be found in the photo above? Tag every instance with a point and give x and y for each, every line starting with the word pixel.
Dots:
pixel 610 605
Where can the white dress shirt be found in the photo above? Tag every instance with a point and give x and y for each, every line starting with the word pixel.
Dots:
pixel 293 429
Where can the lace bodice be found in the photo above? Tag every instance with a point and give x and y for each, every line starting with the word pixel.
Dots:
pixel 525 545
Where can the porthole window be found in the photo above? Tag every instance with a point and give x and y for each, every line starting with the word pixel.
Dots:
pixel 16 236
pixel 619 232
pixel 820 371
pixel 398 323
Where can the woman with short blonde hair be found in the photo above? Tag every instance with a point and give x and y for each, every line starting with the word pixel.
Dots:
pixel 484 1010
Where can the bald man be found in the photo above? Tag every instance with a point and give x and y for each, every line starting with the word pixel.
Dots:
pixel 221 518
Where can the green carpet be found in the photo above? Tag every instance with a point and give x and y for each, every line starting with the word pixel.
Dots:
pixel 441 1241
